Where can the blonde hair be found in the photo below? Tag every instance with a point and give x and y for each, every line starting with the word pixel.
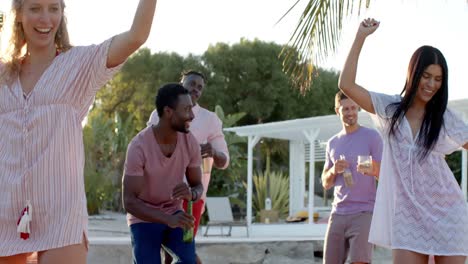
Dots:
pixel 14 45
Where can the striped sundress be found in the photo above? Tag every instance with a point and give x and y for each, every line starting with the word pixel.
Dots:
pixel 42 154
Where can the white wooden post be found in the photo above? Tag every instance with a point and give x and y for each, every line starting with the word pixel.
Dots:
pixel 311 136
pixel 296 176
pixel 253 140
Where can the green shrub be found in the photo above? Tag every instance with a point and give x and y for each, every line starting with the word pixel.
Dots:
pixel 279 192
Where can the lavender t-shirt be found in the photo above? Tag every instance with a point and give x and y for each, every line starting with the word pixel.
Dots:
pixel 361 196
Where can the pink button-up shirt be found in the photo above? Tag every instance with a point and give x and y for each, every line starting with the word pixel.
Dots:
pixel 41 151
pixel 207 128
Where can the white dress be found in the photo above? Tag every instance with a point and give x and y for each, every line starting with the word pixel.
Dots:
pixel 41 151
pixel 419 204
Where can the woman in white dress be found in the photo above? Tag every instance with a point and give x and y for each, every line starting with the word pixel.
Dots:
pixel 420 209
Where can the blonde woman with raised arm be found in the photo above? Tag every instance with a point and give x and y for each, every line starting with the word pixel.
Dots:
pixel 46 89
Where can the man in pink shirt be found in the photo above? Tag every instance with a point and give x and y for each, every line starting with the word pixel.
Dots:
pixel 208 130
pixel 158 160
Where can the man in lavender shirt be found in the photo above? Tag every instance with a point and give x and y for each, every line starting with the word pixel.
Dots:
pixel 350 219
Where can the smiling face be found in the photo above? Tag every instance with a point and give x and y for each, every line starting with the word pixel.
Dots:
pixel 348 110
pixel 182 115
pixel 195 85
pixel 429 83
pixel 40 20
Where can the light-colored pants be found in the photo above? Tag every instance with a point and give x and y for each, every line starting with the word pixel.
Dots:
pixel 348 235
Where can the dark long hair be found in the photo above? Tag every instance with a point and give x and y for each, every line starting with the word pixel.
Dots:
pixel 434 113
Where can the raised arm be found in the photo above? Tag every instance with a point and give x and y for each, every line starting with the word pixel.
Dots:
pixel 347 81
pixel 124 44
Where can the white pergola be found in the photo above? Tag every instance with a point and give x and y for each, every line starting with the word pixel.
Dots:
pixel 302 133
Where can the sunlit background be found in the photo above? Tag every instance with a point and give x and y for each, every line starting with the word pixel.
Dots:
pixel 187 26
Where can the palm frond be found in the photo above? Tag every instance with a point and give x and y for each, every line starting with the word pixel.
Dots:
pixel 315 38
pixel 2 17
pixel 289 10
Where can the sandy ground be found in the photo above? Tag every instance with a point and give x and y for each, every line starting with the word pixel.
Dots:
pixel 110 243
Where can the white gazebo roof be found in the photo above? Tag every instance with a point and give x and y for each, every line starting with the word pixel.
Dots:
pixel 328 125
pixel 292 129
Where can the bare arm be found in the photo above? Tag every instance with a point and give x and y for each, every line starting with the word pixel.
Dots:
pixel 124 44
pixel 328 178
pixel 194 176
pixel 329 175
pixel 217 146
pixel 131 188
pixel 220 160
pixel 347 81
pixel 374 171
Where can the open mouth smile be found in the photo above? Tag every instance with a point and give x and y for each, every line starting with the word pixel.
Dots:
pixel 43 30
pixel 428 91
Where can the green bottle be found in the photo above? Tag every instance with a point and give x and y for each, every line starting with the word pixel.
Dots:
pixel 188 233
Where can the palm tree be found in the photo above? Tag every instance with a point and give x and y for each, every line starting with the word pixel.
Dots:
pixel 316 36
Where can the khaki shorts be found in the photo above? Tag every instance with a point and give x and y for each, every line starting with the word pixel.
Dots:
pixel 347 235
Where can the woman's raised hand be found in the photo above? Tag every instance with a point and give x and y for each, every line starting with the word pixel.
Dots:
pixel 368 26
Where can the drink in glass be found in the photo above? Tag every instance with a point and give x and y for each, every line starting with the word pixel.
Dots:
pixel 206 165
pixel 347 175
pixel 365 163
pixel 348 178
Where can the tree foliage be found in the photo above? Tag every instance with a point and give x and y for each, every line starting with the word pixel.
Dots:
pixel 106 141
pixel 245 80
pixel 247 77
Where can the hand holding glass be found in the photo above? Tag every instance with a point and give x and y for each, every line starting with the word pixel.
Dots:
pixel 347 175
pixel 365 164
pixel 207 160
pixel 340 167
